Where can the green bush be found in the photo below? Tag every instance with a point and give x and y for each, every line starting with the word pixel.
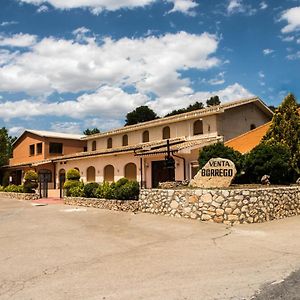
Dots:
pixel 31 175
pixel 90 189
pixel 73 174
pixel 269 159
pixel 12 188
pixel 121 182
pixel 220 150
pixel 105 191
pixel 31 181
pixel 69 184
pixel 128 191
pixel 1 188
pixel 76 191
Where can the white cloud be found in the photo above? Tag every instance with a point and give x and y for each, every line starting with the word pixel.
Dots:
pixel 294 56
pixel 238 6
pixel 18 40
pixel 66 127
pixel 268 51
pixel 184 6
pixel 219 79
pixel 42 9
pixel 150 64
pixel 292 16
pixel 97 6
pixel 263 5
pixel 16 130
pixel 287 38
pixel 106 102
pixel 6 56
pixel 108 105
pixel 261 74
pixel 8 23
pixel 230 93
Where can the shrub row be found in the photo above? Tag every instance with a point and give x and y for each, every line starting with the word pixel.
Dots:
pixel 12 188
pixel 123 189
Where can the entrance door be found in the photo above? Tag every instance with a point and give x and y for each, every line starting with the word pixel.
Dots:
pixel 44 179
pixel 160 173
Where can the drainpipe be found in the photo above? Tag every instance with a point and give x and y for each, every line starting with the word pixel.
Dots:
pixel 54 173
pixel 184 163
pixel 141 167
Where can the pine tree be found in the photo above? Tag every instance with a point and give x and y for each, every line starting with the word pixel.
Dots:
pixel 285 129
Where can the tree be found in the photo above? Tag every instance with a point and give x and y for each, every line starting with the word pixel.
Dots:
pixel 220 150
pixel 197 105
pixel 269 159
pixel 6 142
pixel 139 115
pixel 285 129
pixel 91 131
pixel 213 101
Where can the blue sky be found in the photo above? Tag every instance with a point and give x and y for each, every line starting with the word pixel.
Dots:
pixel 70 65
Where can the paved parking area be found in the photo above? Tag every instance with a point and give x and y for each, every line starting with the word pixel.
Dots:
pixel 60 252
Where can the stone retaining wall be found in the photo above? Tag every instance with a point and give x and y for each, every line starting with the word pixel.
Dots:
pixel 122 205
pixel 20 196
pixel 229 206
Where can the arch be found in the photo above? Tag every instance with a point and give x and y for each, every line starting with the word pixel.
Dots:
pixel 109 173
pixel 109 143
pixel 77 169
pixel 94 146
pixel 145 136
pixel 198 127
pixel 252 126
pixel 166 133
pixel 91 174
pixel 125 140
pixel 130 171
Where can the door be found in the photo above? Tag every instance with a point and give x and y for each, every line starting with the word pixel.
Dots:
pixel 44 179
pixel 160 173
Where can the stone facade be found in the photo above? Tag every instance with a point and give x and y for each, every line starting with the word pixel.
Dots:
pixel 20 196
pixel 122 205
pixel 229 206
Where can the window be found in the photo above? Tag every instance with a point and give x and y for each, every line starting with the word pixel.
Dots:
pixel 109 173
pixel 109 143
pixel 31 150
pixel 130 171
pixel 90 174
pixel 125 140
pixel 145 136
pixel 166 132
pixel 94 146
pixel 198 127
pixel 39 148
pixel 252 126
pixel 85 149
pixel 56 148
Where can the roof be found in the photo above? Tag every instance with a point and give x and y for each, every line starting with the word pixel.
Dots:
pixel 184 116
pixel 149 148
pixel 52 134
pixel 246 142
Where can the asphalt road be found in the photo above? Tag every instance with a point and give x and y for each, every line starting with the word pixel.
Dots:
pixel 60 252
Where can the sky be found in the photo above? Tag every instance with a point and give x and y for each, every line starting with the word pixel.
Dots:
pixel 68 65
